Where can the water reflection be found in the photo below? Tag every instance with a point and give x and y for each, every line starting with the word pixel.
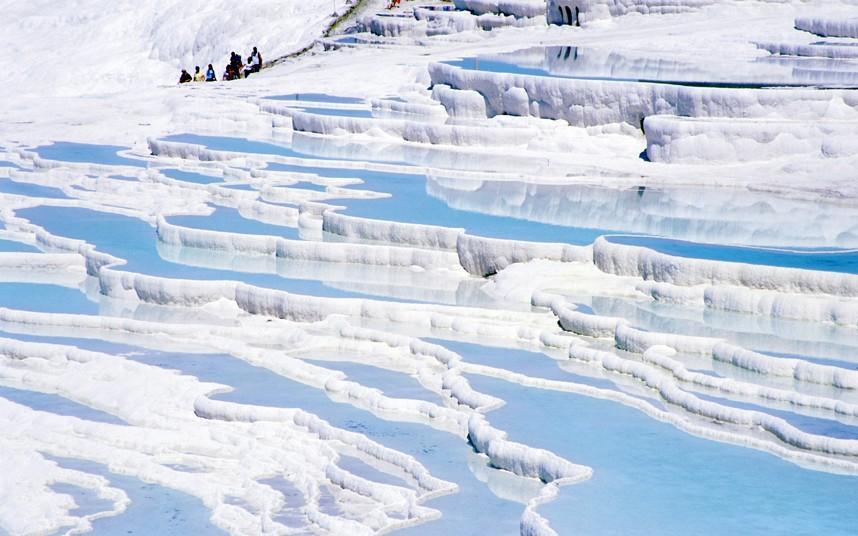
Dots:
pixel 723 215
pixel 665 68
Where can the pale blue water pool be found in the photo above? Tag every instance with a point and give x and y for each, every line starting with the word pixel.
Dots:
pixel 30 190
pixel 359 467
pixel 153 510
pixel 339 112
pixel 244 145
pixel 349 40
pixel 306 185
pixel 845 261
pixel 698 214
pixel 255 385
pixel 488 212
pixel 842 363
pixel 57 404
pixel 11 246
pixel 45 298
pixel 823 343
pixel 93 345
pixel 445 455
pixel 242 187
pixel 650 477
pixel 811 425
pixel 190 176
pixel 135 241
pixel 394 384
pixel 230 220
pixel 223 143
pixel 528 362
pixel 653 479
pixel 64 151
pixel 627 66
pixel 317 97
pixel 293 500
pixel 88 502
pixel 411 203
pixel 437 156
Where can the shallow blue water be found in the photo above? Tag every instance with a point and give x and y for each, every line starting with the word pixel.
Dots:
pixel 240 186
pixel 343 173
pixel 697 214
pixel 653 479
pixel 244 145
pixel 650 478
pixel 832 261
pixel 317 97
pixel 223 143
pixel 153 510
pixel 851 364
pixel 56 404
pixel 306 185
pixel 394 384
pixel 293 501
pixel 410 203
pixel 12 246
pixel 30 190
pixel 93 345
pixel 443 454
pixel 135 241
pixel 88 502
pixel 7 164
pixel 190 176
pixel 45 298
pixel 533 364
pixel 811 425
pixel 349 40
pixel 339 112
pixel 222 369
pixel 835 44
pixel 360 468
pixel 593 64
pixel 230 220
pixel 824 343
pixel 65 151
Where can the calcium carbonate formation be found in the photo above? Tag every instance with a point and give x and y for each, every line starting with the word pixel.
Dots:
pixel 668 233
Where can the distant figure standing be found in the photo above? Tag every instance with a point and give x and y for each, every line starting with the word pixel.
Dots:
pixel 237 67
pixel 210 74
pixel 254 62
pixel 198 75
pixel 185 77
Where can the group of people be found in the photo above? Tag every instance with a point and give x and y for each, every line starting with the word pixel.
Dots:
pixel 234 70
